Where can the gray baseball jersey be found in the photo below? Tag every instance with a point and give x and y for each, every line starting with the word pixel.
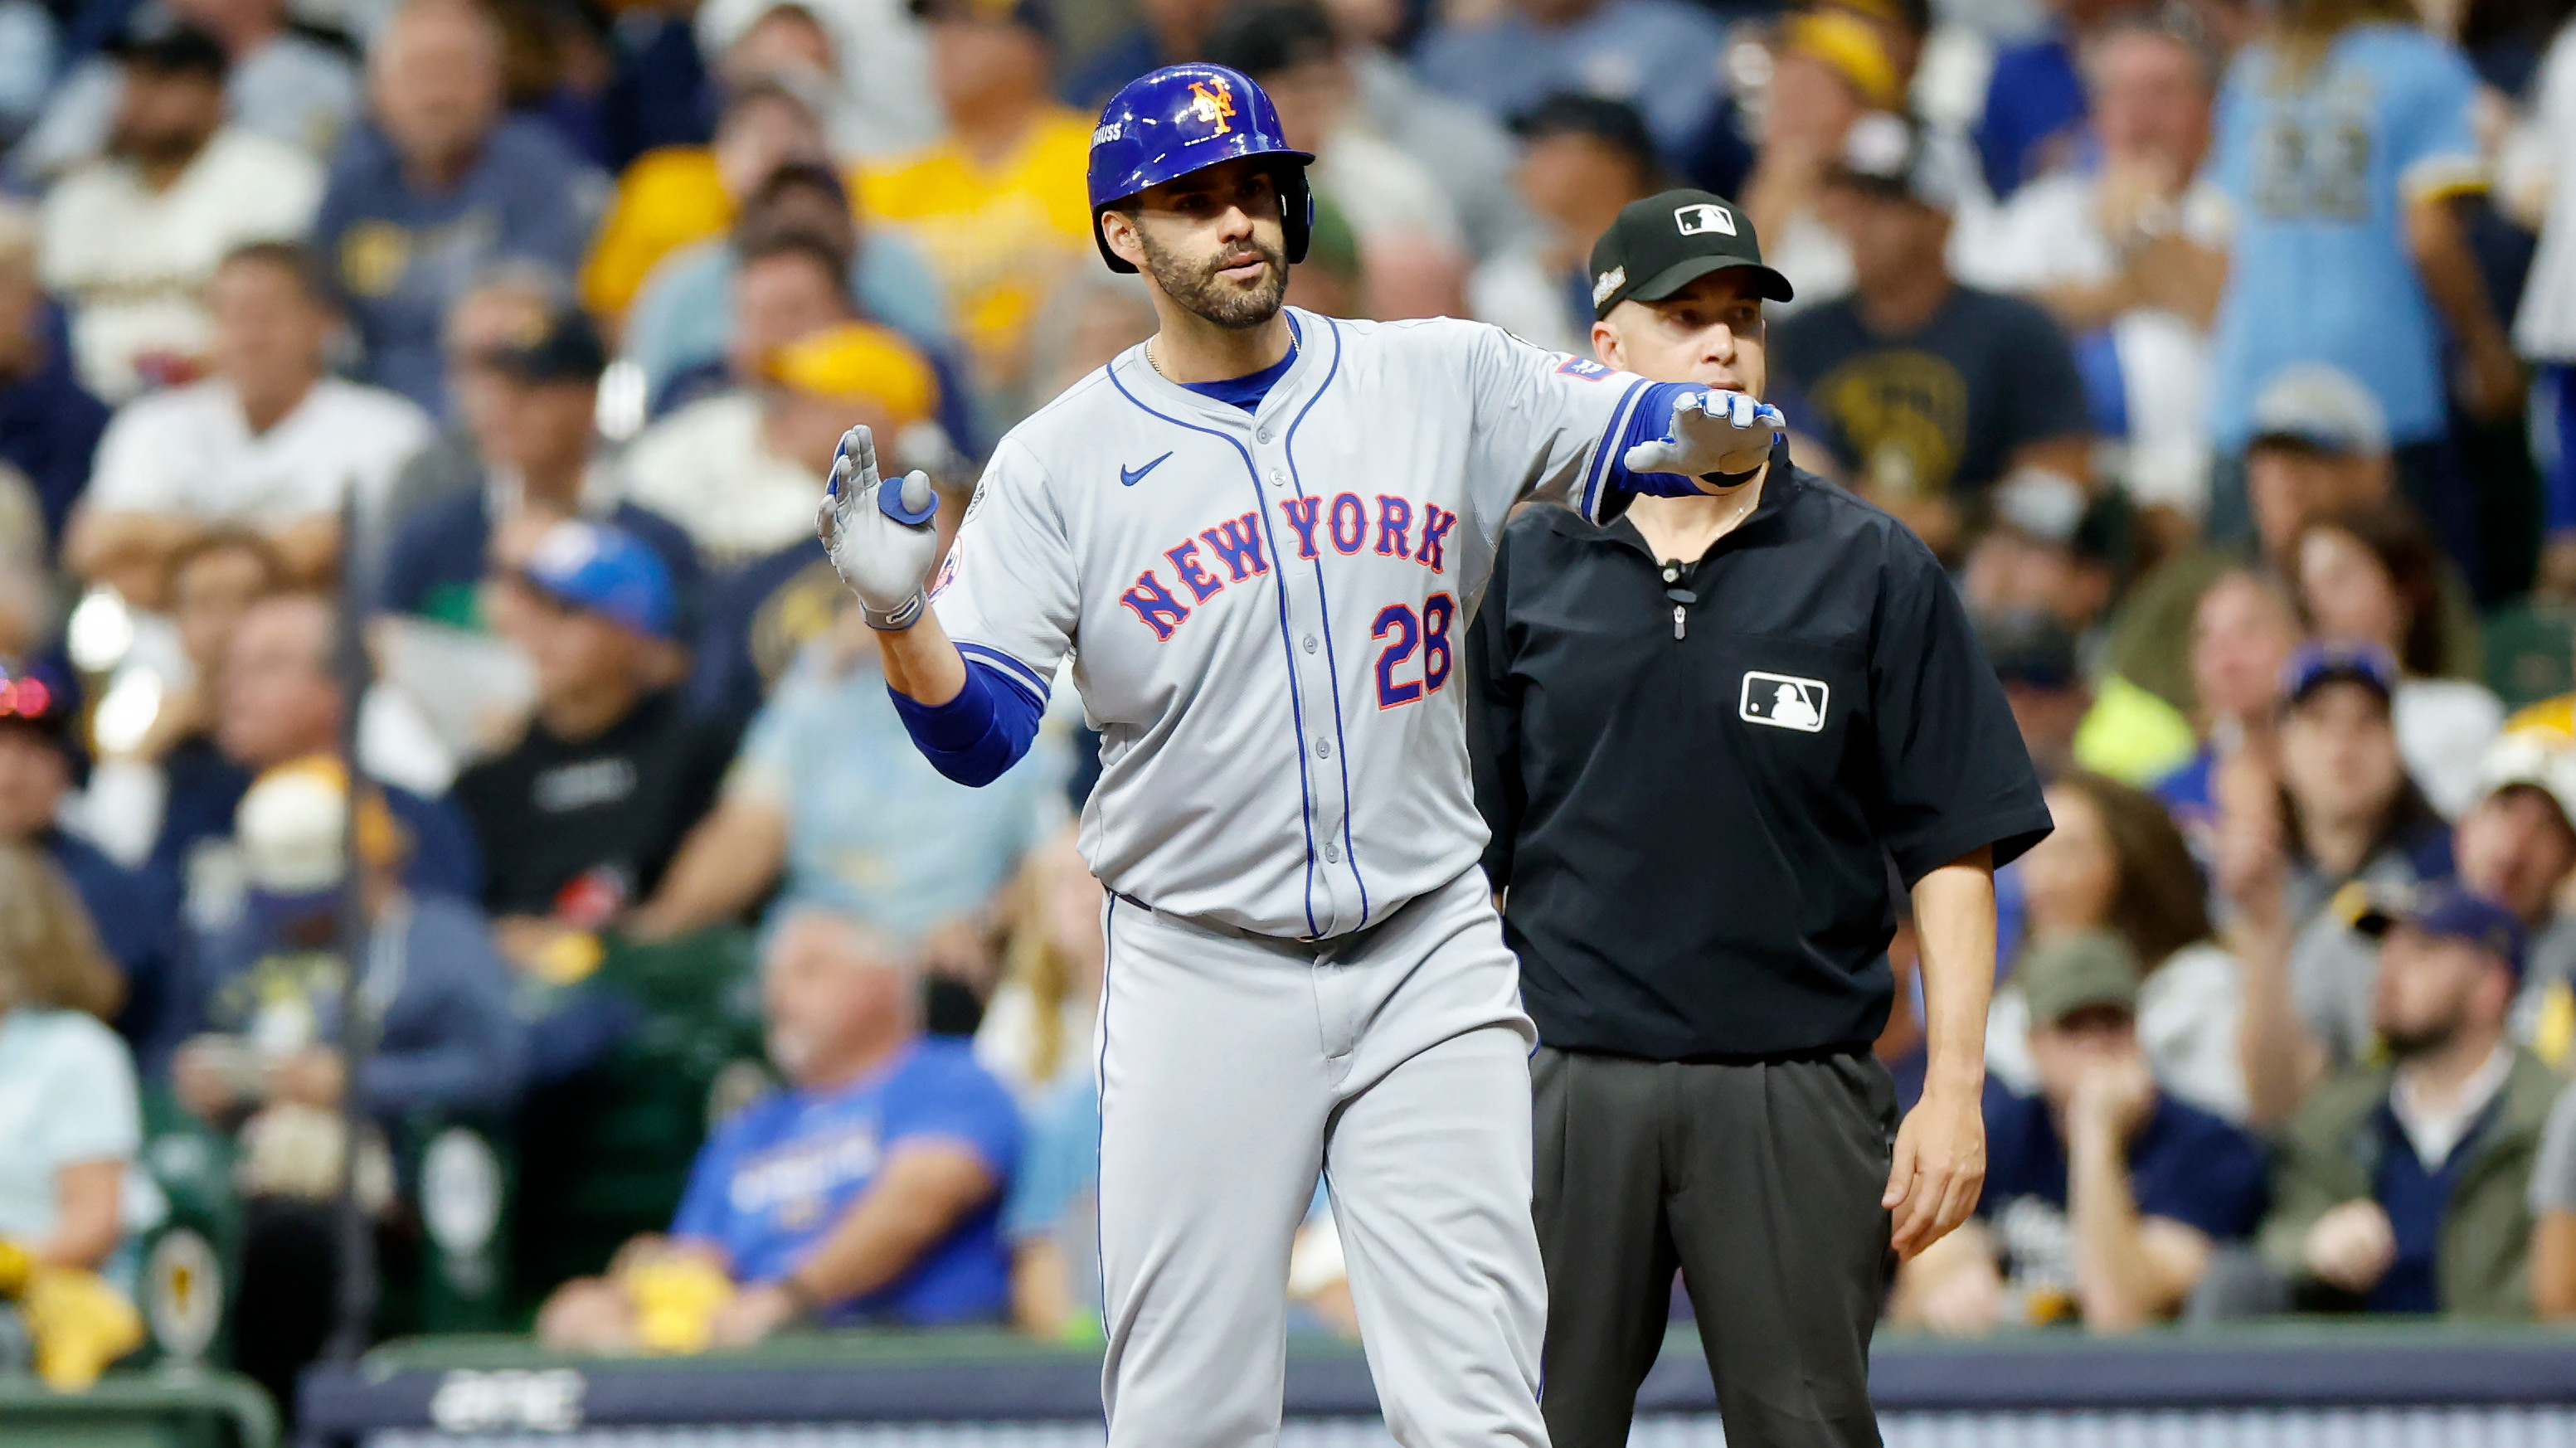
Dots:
pixel 1267 611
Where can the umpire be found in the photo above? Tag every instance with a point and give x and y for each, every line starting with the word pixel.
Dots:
pixel 1704 733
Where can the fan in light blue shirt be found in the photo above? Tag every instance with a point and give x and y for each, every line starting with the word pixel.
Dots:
pixel 2320 173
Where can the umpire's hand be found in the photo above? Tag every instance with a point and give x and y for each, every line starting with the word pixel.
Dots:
pixel 1940 1168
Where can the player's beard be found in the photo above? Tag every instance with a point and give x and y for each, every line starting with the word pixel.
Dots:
pixel 1198 288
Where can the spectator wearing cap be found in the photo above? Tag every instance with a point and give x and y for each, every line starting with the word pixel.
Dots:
pixel 279 698
pixel 2371 575
pixel 740 471
pixel 2514 846
pixel 579 817
pixel 2127 255
pixel 1847 727
pixel 131 238
pixel 278 82
pixel 2403 1185
pixel 263 1059
pixel 693 333
pixel 1412 249
pixel 41 762
pixel 2034 656
pixel 543 466
pixel 2106 1197
pixel 1830 67
pixel 438 185
pixel 1581 159
pixel 680 195
pixel 2327 809
pixel 2320 447
pixel 504 304
pixel 49 422
pixel 2357 255
pixel 997 203
pixel 1924 393
pixel 1659 56
pixel 270 442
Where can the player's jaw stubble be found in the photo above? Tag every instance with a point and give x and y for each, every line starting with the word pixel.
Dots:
pixel 1198 288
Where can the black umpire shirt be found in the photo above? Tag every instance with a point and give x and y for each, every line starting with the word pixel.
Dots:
pixel 1695 815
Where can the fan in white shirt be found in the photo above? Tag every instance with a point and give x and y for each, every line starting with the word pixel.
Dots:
pixel 130 239
pixel 269 443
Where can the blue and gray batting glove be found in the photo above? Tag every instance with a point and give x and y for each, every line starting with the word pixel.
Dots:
pixel 1711 432
pixel 880 539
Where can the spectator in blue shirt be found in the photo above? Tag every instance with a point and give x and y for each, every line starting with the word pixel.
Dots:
pixel 2106 1199
pixel 267 1062
pixel 1660 56
pixel 826 806
pixel 49 425
pixel 2344 139
pixel 40 763
pixel 868 1189
pixel 439 185
pixel 2035 101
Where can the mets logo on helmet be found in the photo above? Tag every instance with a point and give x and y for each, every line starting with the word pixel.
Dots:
pixel 1212 101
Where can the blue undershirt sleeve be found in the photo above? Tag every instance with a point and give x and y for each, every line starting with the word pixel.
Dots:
pixel 977 736
pixel 1650 419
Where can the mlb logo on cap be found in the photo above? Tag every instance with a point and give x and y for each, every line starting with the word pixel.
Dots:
pixel 1784 702
pixel 1703 218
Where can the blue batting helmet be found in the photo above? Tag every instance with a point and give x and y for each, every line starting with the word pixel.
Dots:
pixel 1186 118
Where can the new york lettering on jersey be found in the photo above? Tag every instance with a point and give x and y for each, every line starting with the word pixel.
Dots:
pixel 1264 609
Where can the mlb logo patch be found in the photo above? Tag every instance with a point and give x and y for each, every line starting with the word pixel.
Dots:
pixel 1583 367
pixel 1784 702
pixel 1702 218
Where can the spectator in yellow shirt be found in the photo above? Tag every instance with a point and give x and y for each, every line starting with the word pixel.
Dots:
pixel 997 204
pixel 679 195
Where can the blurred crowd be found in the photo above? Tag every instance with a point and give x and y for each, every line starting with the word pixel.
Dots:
pixel 447 385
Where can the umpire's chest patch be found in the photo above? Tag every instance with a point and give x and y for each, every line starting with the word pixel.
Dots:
pixel 1784 701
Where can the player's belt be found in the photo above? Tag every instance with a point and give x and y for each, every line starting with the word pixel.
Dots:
pixel 1219 927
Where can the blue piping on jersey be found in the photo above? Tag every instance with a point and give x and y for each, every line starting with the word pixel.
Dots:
pixel 1610 440
pixel 1027 680
pixel 1323 604
pixel 1296 709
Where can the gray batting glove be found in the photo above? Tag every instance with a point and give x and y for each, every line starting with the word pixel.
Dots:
pixel 1711 432
pixel 879 538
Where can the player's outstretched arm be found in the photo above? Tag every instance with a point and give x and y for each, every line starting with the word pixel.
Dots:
pixel 881 541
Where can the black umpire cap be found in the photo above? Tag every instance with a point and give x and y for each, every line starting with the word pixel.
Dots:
pixel 1668 241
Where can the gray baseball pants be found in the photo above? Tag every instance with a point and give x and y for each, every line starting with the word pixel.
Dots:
pixel 1232 1069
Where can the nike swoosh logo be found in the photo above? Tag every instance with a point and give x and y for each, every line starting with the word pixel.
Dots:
pixel 1130 476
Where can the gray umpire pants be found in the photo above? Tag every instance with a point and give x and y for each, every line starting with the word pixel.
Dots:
pixel 1761 1183
pixel 1233 1068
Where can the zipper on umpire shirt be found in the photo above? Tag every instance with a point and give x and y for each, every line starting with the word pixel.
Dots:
pixel 1679 595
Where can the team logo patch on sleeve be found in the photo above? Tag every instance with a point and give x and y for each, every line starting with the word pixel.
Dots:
pixel 1583 367
pixel 1783 702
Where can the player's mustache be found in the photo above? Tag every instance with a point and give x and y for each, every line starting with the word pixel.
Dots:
pixel 1238 258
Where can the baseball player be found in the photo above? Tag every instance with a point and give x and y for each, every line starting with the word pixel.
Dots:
pixel 1260 536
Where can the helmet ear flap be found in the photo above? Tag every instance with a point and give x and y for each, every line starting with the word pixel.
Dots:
pixel 1296 211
